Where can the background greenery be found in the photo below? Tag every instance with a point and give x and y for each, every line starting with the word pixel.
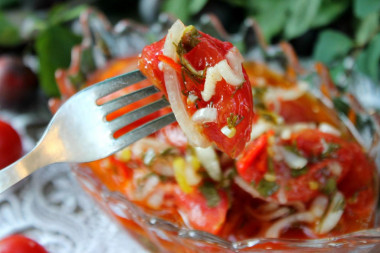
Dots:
pixel 324 30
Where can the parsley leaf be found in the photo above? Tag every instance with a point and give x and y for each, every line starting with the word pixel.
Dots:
pixel 331 148
pixel 330 186
pixel 211 194
pixel 299 172
pixel 266 188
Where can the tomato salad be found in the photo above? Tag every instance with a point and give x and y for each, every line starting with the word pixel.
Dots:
pixel 205 83
pixel 297 173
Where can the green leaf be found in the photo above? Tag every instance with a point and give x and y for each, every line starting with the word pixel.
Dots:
pixel 53 47
pixel 331 45
pixel 65 12
pixel 368 60
pixel 329 11
pixel 367 28
pixel 178 8
pixel 211 194
pixel 196 5
pixel 9 33
pixel 363 8
pixel 271 16
pixel 302 13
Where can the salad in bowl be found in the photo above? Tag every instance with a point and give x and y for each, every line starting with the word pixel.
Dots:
pixel 259 157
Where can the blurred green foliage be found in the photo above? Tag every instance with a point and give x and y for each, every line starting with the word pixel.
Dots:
pixel 49 35
pixel 332 29
pixel 342 27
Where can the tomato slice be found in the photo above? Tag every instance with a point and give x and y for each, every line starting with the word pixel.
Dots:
pixel 329 160
pixel 253 163
pixel 198 212
pixel 197 54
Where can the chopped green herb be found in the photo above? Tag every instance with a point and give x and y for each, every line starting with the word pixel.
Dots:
pixel 268 116
pixel 258 97
pixel 292 148
pixel 266 188
pixel 190 38
pixel 211 194
pixel 330 186
pixel 300 172
pixel 339 205
pixel 188 41
pixel 331 148
pixel 168 152
pixel 270 165
pixel 354 198
pixel 233 120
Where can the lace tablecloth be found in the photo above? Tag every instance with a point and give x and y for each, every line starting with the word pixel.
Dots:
pixel 51 207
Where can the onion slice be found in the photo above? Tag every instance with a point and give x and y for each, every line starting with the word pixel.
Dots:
pixel 189 127
pixel 204 115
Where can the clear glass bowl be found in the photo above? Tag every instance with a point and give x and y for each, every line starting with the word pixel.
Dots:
pixel 159 235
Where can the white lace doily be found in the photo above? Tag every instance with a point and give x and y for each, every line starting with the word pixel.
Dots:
pixel 52 208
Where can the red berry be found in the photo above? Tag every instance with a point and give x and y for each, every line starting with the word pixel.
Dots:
pixel 20 244
pixel 18 83
pixel 10 144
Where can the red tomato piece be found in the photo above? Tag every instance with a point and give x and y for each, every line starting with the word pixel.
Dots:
pixel 330 160
pixel 201 216
pixel 20 244
pixel 10 144
pixel 252 164
pixel 233 103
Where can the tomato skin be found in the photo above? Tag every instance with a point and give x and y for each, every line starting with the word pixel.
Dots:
pixel 252 164
pixel 10 144
pixel 20 244
pixel 148 64
pixel 199 214
pixel 229 100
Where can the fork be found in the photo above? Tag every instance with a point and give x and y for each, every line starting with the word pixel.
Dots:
pixel 79 131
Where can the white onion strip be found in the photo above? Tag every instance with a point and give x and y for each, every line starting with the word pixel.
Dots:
pixel 268 216
pixel 333 214
pixel 275 230
pixel 204 115
pixel 316 211
pixel 190 128
pixel 209 160
pixel 229 69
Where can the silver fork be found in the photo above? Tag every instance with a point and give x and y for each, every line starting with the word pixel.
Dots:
pixel 79 131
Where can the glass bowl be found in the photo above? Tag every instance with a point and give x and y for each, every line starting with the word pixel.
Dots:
pixel 102 42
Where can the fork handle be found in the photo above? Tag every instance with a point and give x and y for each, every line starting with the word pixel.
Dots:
pixel 23 167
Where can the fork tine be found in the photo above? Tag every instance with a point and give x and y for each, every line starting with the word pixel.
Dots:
pixel 111 85
pixel 130 117
pixel 127 99
pixel 145 130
